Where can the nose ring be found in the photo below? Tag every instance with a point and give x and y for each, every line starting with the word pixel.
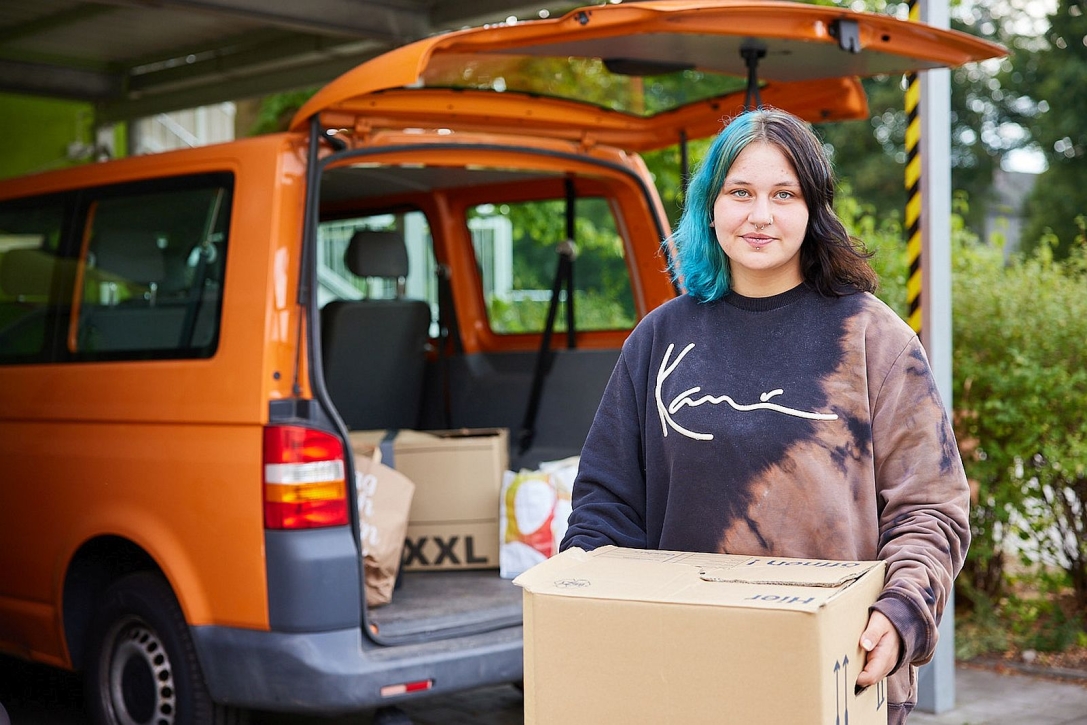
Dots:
pixel 760 227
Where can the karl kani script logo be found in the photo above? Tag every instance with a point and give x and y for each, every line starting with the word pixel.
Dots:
pixel 667 367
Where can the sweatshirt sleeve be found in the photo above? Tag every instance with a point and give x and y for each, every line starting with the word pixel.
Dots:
pixel 609 496
pixel 923 500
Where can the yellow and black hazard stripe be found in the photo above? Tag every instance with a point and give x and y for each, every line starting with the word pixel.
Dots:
pixel 913 191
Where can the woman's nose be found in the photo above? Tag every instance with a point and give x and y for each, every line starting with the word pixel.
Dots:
pixel 760 212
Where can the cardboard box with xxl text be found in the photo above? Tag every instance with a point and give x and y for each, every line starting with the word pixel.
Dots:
pixel 627 635
pixel 457 474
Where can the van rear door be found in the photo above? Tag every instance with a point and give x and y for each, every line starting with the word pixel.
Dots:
pixel 639 76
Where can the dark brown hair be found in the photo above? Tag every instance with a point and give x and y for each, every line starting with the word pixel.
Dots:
pixel 831 261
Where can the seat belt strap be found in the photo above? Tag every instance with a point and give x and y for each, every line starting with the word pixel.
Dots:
pixel 564 277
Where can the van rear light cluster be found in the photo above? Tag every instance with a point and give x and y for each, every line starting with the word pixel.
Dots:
pixel 406 688
pixel 305 479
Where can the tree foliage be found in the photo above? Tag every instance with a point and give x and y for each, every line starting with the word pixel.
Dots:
pixel 871 154
pixel 1035 98
pixel 277 110
pixel 1051 86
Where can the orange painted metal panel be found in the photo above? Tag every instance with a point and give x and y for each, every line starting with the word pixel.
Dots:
pixel 164 453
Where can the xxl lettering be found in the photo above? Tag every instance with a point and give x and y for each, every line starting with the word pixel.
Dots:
pixel 445 550
pixel 413 551
pixel 418 551
pixel 470 554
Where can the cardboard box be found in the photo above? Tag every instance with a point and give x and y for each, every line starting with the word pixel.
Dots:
pixel 457 474
pixel 626 635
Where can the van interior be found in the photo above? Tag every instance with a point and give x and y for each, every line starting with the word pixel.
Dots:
pixel 394 356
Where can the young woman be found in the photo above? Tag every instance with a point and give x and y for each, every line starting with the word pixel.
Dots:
pixel 778 408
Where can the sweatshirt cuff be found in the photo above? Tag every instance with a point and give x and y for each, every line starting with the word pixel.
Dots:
pixel 912 629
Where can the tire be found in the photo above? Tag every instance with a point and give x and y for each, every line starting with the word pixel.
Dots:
pixel 142 667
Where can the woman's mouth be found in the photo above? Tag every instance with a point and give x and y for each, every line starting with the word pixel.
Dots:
pixel 758 241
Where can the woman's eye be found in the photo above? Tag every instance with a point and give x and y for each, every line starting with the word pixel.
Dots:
pixel 785 195
pixel 740 192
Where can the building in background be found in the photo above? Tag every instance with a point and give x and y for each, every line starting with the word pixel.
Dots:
pixel 182 129
pixel 1004 216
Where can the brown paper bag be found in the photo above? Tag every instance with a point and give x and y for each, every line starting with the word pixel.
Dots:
pixel 384 497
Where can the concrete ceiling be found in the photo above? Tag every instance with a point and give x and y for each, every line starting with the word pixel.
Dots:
pixel 134 58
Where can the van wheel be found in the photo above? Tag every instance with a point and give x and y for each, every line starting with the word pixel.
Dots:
pixel 143 668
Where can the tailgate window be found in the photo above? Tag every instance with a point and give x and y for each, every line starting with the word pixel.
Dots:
pixel 516 252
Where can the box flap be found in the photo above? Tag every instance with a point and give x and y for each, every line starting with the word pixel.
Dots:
pixel 369 438
pixel 804 572
pixel 694 578
pixel 405 438
pixel 454 433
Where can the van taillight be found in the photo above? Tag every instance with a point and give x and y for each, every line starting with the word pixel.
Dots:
pixel 305 481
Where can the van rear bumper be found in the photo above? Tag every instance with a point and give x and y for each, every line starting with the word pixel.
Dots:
pixel 339 672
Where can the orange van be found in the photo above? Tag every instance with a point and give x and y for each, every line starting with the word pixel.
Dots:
pixel 188 340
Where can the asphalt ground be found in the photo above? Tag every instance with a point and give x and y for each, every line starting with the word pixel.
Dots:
pixel 34 694
pixel 39 695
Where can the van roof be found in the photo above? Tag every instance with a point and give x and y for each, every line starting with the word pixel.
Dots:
pixel 641 75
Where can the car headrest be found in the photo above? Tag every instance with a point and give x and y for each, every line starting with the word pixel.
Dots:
pixel 377 254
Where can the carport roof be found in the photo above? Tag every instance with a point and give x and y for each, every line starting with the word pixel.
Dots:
pixel 135 58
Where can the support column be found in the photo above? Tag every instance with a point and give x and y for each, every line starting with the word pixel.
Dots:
pixel 936 686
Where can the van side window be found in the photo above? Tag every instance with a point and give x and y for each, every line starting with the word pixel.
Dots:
pixel 35 283
pixel 515 246
pixel 153 274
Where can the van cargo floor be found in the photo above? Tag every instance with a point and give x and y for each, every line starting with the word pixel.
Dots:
pixel 434 604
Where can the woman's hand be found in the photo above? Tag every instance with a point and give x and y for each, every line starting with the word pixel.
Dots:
pixel 883 645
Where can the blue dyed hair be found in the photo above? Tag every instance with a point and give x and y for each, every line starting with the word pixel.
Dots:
pixel 829 258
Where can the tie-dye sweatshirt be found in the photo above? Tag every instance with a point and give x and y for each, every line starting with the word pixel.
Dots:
pixel 796 425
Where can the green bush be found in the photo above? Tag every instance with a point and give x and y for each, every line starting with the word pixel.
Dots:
pixel 1020 395
pixel 1017 623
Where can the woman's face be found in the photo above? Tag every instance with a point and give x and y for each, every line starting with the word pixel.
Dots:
pixel 760 219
